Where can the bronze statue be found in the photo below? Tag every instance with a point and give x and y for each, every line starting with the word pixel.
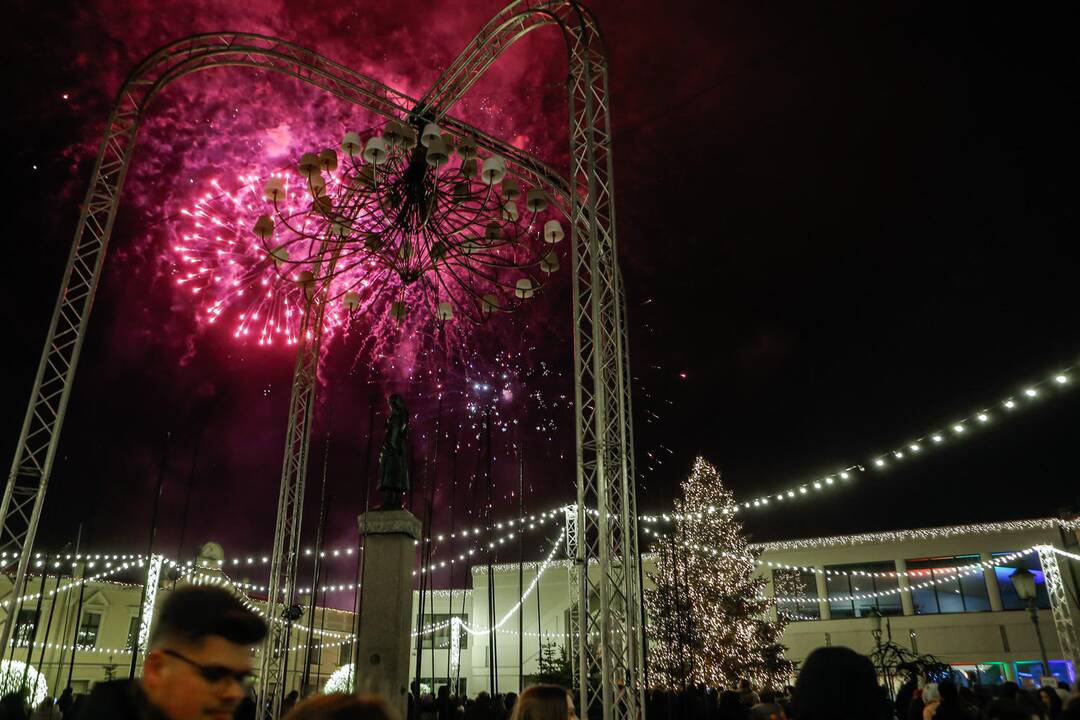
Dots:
pixel 394 456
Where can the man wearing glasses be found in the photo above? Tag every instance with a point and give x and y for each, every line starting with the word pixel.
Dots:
pixel 198 663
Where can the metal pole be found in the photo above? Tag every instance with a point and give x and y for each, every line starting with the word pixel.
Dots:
pixel 644 635
pixel 493 650
pixel 431 524
pixel 322 645
pixel 425 559
pixel 453 530
pixel 1034 610
pixel 521 571
pixel 431 602
pixel 67 613
pixel 48 623
pixel 366 484
pixel 13 619
pixel 150 546
pixel 34 626
pixel 317 570
pixel 78 622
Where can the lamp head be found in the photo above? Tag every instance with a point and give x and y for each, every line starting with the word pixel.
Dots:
pixel 1023 581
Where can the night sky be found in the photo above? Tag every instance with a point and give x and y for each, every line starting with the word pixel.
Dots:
pixel 841 227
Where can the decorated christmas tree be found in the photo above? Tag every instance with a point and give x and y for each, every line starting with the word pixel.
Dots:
pixel 708 619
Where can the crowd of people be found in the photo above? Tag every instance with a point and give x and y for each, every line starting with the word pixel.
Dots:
pixel 837 682
pixel 198 665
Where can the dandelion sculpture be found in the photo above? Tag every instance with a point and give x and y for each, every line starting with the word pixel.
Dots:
pixel 406 222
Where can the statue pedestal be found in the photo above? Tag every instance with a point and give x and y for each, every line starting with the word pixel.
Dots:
pixel 383 645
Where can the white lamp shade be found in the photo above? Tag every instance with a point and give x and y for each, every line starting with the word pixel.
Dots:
pixel 308 165
pixel 351 300
pixel 553 232
pixel 524 288
pixel 274 190
pixel 511 190
pixel 375 150
pixel 437 153
pixel 466 147
pixel 494 170
pixel 339 229
pixel 446 311
pixel 264 227
pixel 536 200
pixel 510 211
pixel 431 132
pixel 549 263
pixel 490 303
pixel 328 160
pixel 393 133
pixel 350 144
pixel 280 255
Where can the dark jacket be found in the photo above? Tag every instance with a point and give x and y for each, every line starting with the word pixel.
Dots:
pixel 118 700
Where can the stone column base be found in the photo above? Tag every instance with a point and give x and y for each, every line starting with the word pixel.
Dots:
pixel 383 645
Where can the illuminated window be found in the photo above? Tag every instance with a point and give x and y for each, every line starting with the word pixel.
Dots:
pixel 797 584
pixel 24 628
pixel 440 638
pixel 947 590
pixel 845 583
pixel 88 630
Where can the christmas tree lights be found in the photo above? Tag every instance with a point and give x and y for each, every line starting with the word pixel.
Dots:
pixel 707 620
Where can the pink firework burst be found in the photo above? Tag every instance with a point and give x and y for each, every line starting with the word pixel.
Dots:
pixel 414 231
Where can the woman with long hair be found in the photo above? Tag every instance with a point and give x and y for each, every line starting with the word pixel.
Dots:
pixel 544 702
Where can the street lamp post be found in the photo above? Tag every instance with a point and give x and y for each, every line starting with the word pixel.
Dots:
pixel 1023 581
pixel 875 630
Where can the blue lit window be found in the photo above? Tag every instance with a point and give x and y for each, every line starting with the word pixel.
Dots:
pixel 1009 599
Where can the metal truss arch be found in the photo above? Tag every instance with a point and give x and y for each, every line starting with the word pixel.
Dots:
pixel 24 494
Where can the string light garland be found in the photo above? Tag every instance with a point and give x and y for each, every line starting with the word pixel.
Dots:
pixel 854 573
pixel 202 579
pixel 541 569
pixel 72 584
pixel 556 546
pixel 939 533
pixel 1059 551
pixel 955 429
pixel 973 569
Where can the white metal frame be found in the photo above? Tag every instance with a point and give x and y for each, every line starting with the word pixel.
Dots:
pixel 1059 605
pixel 608 535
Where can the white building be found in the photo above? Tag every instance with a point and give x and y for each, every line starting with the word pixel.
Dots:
pixel 944 591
